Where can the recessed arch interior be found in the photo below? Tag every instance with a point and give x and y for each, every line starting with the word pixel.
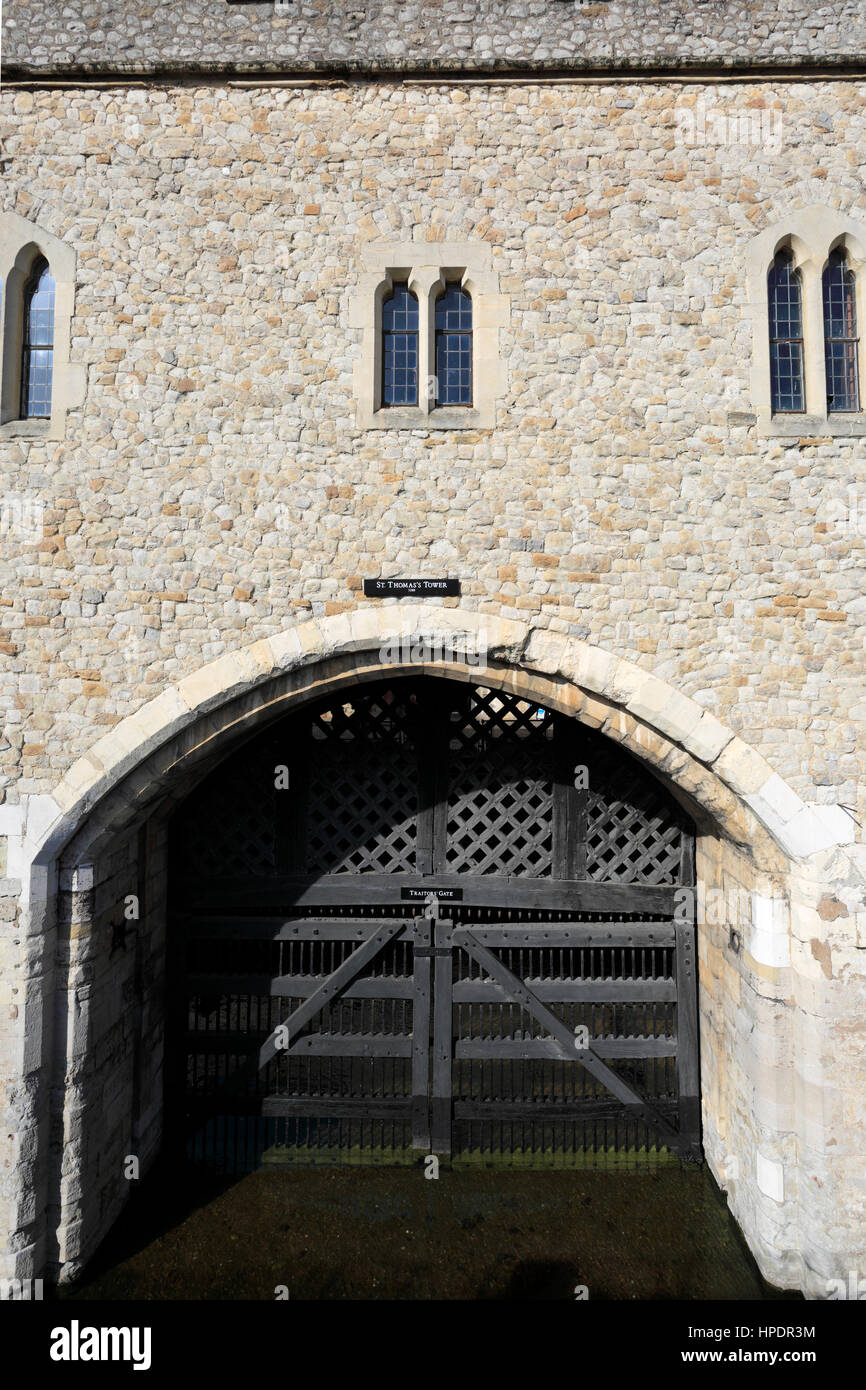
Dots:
pixel 300 870
pixel 393 716
pixel 151 786
pixel 189 739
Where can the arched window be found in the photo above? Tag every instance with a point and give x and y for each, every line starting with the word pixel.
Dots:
pixel 400 347
pixel 453 324
pixel 786 335
pixel 37 362
pixel 840 334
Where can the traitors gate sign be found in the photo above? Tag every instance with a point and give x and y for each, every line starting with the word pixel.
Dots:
pixel 437 939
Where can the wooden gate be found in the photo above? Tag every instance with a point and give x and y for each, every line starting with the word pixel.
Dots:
pixel 432 916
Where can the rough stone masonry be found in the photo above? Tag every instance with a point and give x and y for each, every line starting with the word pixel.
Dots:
pixel 222 173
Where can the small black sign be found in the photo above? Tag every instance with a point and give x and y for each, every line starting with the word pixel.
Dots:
pixel 418 895
pixel 401 588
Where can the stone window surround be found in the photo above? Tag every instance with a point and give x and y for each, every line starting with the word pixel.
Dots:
pixel 810 235
pixel 427 266
pixel 21 242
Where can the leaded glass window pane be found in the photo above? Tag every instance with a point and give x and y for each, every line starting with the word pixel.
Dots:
pixel 786 335
pixel 400 347
pixel 37 365
pixel 840 334
pixel 453 325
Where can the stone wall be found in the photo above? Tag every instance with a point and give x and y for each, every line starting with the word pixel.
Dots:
pixel 213 489
pixel 214 485
pixel 41 36
pixel 107 1048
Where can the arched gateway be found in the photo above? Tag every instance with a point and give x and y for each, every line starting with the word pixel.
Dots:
pixel 422 914
pixel 462 778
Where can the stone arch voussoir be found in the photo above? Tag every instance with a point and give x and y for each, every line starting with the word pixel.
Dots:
pixel 714 771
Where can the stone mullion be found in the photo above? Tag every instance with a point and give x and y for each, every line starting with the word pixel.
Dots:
pixel 813 340
pixel 424 282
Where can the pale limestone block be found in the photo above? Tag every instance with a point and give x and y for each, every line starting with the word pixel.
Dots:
pixel 807 833
pixel 707 739
pixel 366 626
pixel 115 747
pixel 11 819
pixel 158 718
pixel 336 634
pixel 626 683
pixel 287 648
pixel 775 803
pixel 805 963
pixel 260 658
pixel 770 1176
pixel 42 812
pixel 742 768
pixel 229 675
pixel 770 939
pixel 594 712
pixel 805 922
pixel 544 652
pixel 506 639
pixel 592 668
pixel 838 822
pixel 312 641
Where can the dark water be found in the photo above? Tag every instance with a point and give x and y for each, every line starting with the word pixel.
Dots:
pixel 374 1233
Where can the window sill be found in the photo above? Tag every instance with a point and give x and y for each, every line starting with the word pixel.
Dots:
pixel 841 426
pixel 465 417
pixel 26 429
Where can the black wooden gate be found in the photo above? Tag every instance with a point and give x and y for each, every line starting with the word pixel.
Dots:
pixel 432 916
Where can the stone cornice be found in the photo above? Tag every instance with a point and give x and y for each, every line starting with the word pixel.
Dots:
pixel 353 38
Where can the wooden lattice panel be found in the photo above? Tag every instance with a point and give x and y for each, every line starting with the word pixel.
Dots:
pixel 228 826
pixel 362 813
pixel 421 776
pixel 485 716
pixel 500 798
pixel 500 817
pixel 362 794
pixel 632 835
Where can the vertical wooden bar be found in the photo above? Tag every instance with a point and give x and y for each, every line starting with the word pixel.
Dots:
pixel 141 926
pixel 421 1035
pixel 578 818
pixel 440 783
pixel 290 812
pixel 688 1070
pixel 442 1040
pixel 562 796
pixel 428 772
pixel 688 1060
pixel 176 1083
pixel 569 805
